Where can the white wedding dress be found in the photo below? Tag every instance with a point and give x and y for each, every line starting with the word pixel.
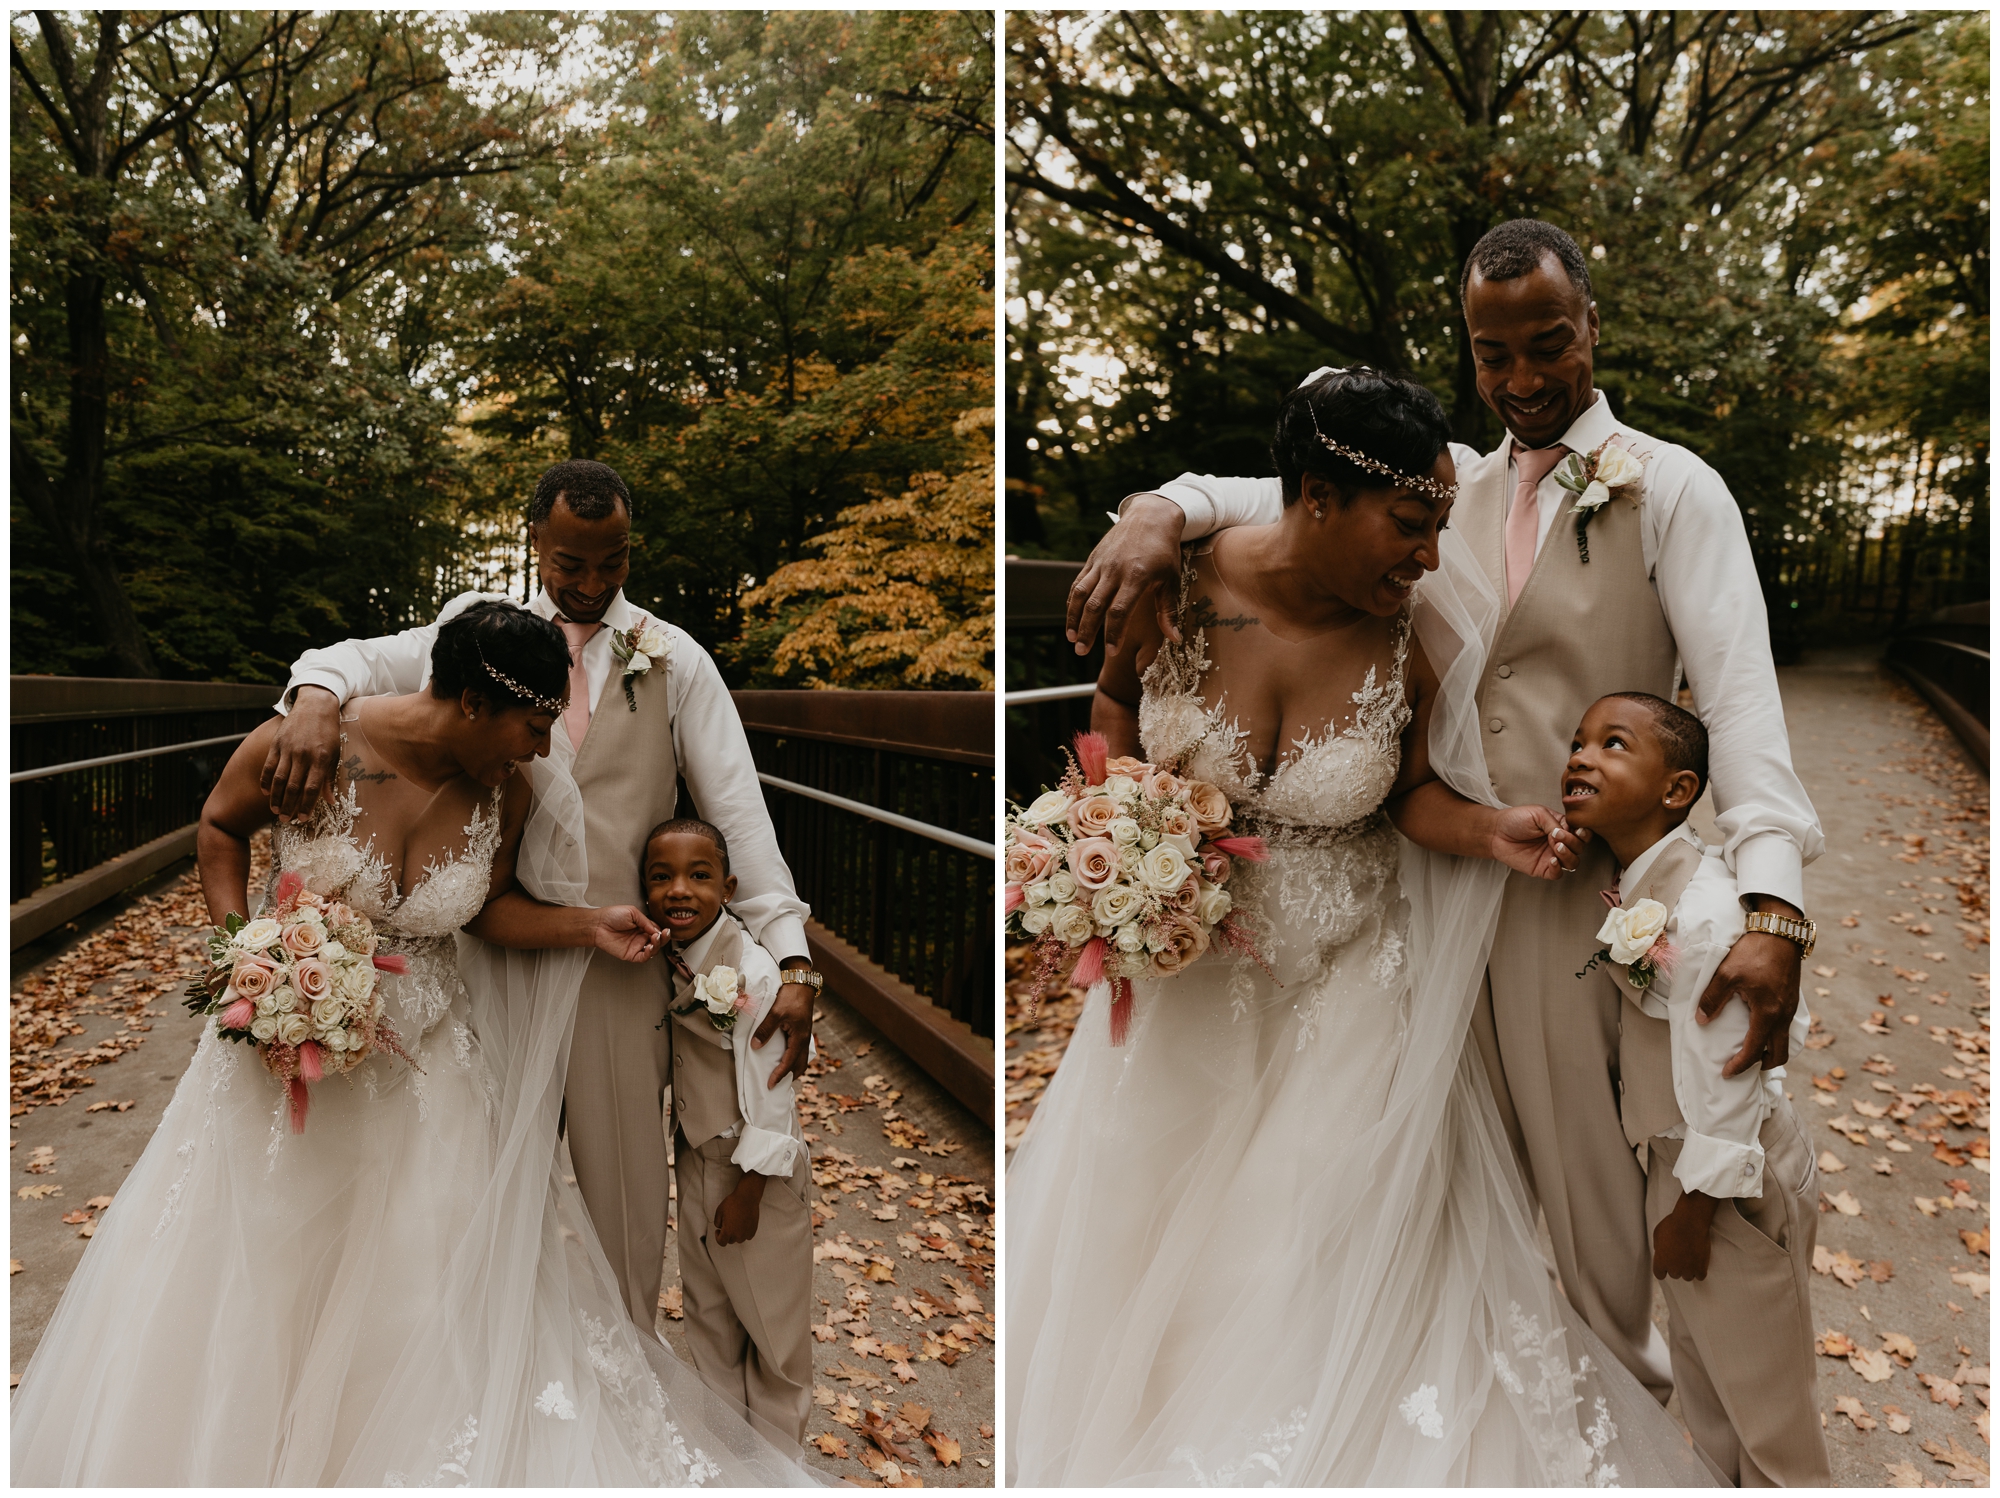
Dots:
pixel 1278 1237
pixel 409 1293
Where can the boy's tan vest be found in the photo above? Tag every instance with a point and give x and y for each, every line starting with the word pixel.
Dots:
pixel 1646 1102
pixel 1577 633
pixel 705 1057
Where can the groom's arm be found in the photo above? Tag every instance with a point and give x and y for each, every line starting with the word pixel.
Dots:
pixel 714 756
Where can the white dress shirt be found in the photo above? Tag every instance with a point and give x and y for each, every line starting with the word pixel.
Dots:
pixel 1721 1116
pixel 709 744
pixel 767 1123
pixel 1698 556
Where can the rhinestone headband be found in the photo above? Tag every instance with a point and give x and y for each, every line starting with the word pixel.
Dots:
pixel 1433 487
pixel 546 704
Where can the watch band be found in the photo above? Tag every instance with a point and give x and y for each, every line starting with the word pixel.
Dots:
pixel 803 975
pixel 1802 931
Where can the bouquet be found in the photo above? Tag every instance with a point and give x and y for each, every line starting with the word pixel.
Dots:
pixel 299 984
pixel 1118 873
pixel 724 993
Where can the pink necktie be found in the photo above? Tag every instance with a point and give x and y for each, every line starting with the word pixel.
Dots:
pixel 1524 521
pixel 576 717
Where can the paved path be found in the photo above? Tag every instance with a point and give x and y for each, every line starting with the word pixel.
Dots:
pixel 904 1217
pixel 1895 1091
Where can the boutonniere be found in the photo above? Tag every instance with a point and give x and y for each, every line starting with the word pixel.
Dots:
pixel 723 992
pixel 1595 478
pixel 1638 942
pixel 637 649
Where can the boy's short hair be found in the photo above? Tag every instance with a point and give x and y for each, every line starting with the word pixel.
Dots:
pixel 700 828
pixel 1683 739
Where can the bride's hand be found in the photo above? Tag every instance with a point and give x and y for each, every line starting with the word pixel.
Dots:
pixel 626 932
pixel 1535 841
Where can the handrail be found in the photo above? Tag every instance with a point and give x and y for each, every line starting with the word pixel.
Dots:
pixel 118 759
pixel 862 808
pixel 1052 694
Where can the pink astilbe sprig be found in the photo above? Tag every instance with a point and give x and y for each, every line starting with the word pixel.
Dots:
pixel 1232 934
pixel 1092 751
pixel 1661 956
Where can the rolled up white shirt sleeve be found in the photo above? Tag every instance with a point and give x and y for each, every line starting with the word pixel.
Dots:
pixel 714 757
pixel 382 666
pixel 769 1140
pixel 1214 504
pixel 1714 605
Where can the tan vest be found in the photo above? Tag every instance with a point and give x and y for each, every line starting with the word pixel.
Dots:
pixel 1577 633
pixel 705 1057
pixel 626 772
pixel 1646 1103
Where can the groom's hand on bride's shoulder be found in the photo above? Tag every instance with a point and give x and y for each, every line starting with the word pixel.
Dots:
pixel 1137 560
pixel 299 767
pixel 1763 971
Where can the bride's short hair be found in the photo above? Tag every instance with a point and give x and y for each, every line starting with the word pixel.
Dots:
pixel 509 655
pixel 1395 422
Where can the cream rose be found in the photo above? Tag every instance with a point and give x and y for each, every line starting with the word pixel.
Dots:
pixel 1037 893
pixel 294 1028
pixel 1123 831
pixel 718 989
pixel 302 938
pixel 1072 925
pixel 252 977
pixel 1210 807
pixel 1121 788
pixel 1029 856
pixel 1184 942
pixel 1632 930
pixel 1215 904
pixel 1050 806
pixel 312 979
pixel 258 935
pixel 1162 870
pixel 1131 939
pixel 333 951
pixel 1062 886
pixel 1617 467
pixel 1116 904
pixel 329 1013
pixel 1092 815
pixel 264 1028
pixel 1094 862
pixel 1594 494
pixel 1035 919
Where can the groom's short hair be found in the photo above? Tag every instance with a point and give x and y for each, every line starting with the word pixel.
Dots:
pixel 1683 738
pixel 1516 247
pixel 591 490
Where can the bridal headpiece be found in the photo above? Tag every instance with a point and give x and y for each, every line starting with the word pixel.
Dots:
pixel 1433 487
pixel 546 704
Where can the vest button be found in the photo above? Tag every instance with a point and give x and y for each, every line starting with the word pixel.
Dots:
pixel 1504 672
pixel 1495 724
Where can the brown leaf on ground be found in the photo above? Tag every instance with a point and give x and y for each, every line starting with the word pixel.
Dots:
pixel 99 1202
pixel 1855 1411
pixel 1964 1465
pixel 1897 1421
pixel 1843 1202
pixel 73 1218
pixel 914 1415
pixel 1871 1365
pixel 107 1106
pixel 1830 1163
pixel 38 1193
pixel 670 1302
pixel 1843 1266
pixel 943 1447
pixel 903 1371
pixel 1976 1283
pixel 1904 1475
pixel 1881 1270
pixel 1943 1390
pixel 14 1267
pixel 823 1332
pixel 830 1445
pixel 1979 1242
pixel 1899 1347
pixel 1832 1344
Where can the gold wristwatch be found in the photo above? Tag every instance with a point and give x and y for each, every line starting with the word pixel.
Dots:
pixel 805 975
pixel 1800 930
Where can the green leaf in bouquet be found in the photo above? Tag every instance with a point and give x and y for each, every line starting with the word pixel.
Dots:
pixel 1572 475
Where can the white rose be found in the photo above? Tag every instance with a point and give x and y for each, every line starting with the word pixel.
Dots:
pixel 718 989
pixel 355 981
pixel 333 951
pixel 639 664
pixel 328 1013
pixel 654 641
pixel 1148 841
pixel 1215 903
pixel 1181 843
pixel 264 1027
pixel 311 915
pixel 1071 925
pixel 1593 496
pixel 1123 831
pixel 1062 886
pixel 294 1028
pixel 284 1000
pixel 1617 467
pixel 1633 930
pixel 265 1005
pixel 1035 919
pixel 1038 892
pixel 1163 870
pixel 258 935
pixel 1131 938
pixel 1116 904
pixel 1122 788
pixel 1050 806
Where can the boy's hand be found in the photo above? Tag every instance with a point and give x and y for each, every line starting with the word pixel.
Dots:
pixel 736 1218
pixel 1680 1242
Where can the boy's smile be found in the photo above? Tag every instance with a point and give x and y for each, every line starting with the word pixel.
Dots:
pixel 685 885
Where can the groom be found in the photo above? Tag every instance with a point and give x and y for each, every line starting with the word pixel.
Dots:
pixel 1669 588
pixel 631 733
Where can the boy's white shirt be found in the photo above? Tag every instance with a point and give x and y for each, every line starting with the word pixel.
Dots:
pixel 1722 1116
pixel 768 1132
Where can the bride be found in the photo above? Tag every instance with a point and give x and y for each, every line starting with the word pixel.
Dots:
pixel 1279 1236
pixel 409 1292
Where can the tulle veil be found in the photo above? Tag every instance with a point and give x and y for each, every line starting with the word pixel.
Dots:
pixel 1383 1315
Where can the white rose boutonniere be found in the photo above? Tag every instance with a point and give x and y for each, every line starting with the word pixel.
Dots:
pixel 638 650
pixel 1595 479
pixel 1637 942
pixel 723 993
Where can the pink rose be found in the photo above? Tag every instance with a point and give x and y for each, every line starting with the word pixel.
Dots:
pixel 339 914
pixel 1094 862
pixel 1185 942
pixel 301 939
pixel 311 978
pixel 1160 786
pixel 1174 822
pixel 1132 769
pixel 1187 898
pixel 1030 856
pixel 1210 807
pixel 252 978
pixel 1216 866
pixel 1092 815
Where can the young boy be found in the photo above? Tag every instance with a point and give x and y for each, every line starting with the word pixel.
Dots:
pixel 1731 1187
pixel 740 1158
